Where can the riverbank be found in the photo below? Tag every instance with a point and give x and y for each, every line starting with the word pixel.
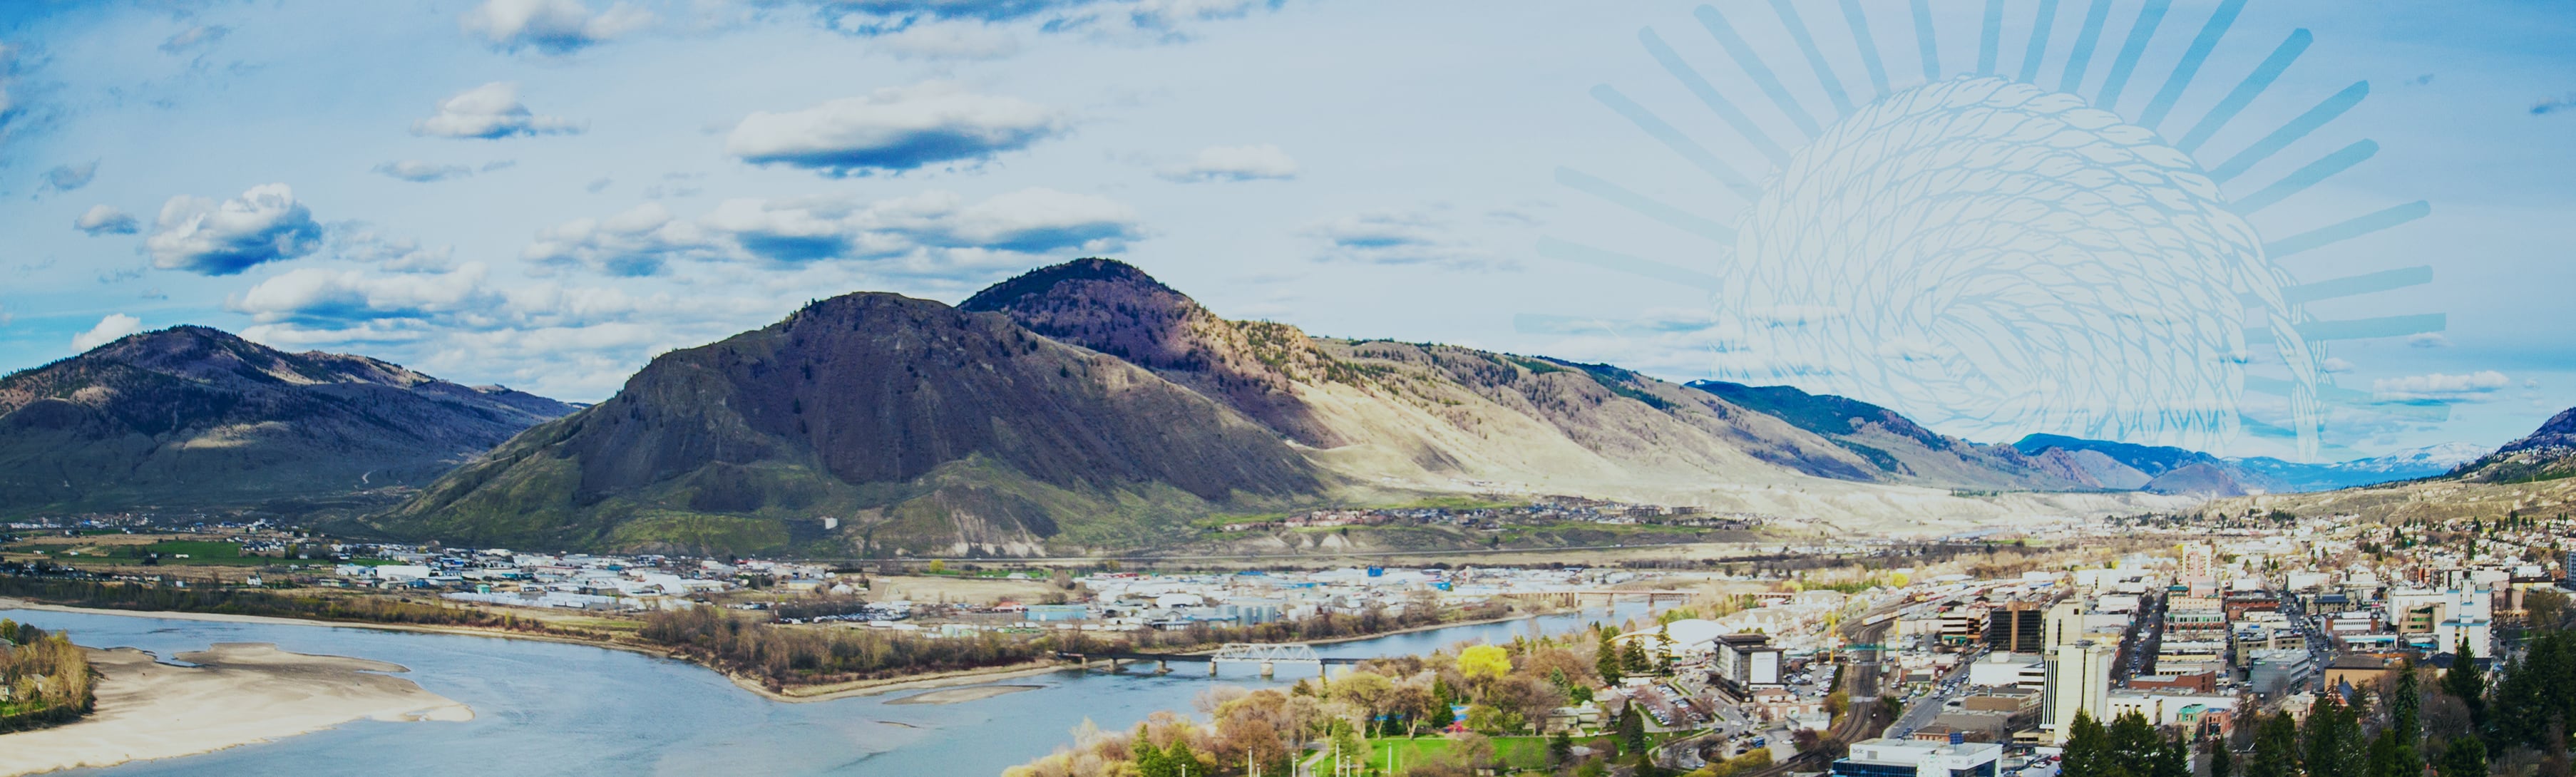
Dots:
pixel 795 694
pixel 235 694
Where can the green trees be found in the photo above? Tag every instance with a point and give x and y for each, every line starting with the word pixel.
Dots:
pixel 2333 740
pixel 2465 680
pixel 2466 757
pixel 1606 660
pixel 2535 701
pixel 1632 730
pixel 2276 748
pixel 2129 747
pixel 45 677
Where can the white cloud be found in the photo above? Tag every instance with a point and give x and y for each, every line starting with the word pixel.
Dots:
pixel 935 233
pixel 640 241
pixel 360 242
pixel 104 219
pixel 893 130
pixel 551 26
pixel 949 40
pixel 114 326
pixel 1233 163
pixel 491 111
pixel 570 341
pixel 2429 340
pixel 1399 237
pixel 417 171
pixel 2335 364
pixel 2472 387
pixel 264 224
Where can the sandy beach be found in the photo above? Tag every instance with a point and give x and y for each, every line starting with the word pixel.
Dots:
pixel 961 695
pixel 237 694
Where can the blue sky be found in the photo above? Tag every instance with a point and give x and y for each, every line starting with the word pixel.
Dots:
pixel 545 193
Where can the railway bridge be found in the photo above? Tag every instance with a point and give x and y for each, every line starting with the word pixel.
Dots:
pixel 1268 655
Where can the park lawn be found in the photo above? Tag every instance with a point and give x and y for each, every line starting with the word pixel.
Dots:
pixel 1523 752
pixel 1520 752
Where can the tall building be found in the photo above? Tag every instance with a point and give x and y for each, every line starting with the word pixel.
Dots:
pixel 2064 625
pixel 2017 627
pixel 2199 561
pixel 2079 681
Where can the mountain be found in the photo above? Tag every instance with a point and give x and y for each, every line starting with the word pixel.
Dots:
pixel 196 418
pixel 2422 462
pixel 2548 453
pixel 2534 475
pixel 924 427
pixel 1086 406
pixel 1900 448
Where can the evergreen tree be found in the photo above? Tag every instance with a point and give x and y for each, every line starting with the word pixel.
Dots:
pixel 1632 729
pixel 1606 660
pixel 2466 757
pixel 1149 759
pixel 1560 749
pixel 2173 759
pixel 2465 680
pixel 2088 750
pixel 1633 659
pixel 2276 748
pixel 2333 739
pixel 2392 756
pixel 2406 705
pixel 2221 762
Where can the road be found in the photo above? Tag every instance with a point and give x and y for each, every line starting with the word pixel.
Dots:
pixel 1860 684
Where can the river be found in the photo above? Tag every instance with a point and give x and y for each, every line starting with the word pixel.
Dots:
pixel 553 708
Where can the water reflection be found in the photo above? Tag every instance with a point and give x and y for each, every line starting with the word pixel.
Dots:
pixel 549 708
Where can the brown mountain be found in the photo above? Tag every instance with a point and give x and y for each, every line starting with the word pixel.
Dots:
pixel 196 418
pixel 915 425
pixel 1086 406
pixel 2534 475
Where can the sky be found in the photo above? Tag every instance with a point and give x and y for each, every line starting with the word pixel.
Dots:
pixel 546 193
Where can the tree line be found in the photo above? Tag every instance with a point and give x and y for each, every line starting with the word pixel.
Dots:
pixel 45 680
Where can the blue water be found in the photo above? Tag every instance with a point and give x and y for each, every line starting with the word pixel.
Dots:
pixel 543 708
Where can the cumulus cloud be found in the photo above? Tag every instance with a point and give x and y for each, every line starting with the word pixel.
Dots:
pixel 933 233
pixel 640 241
pixel 104 220
pixel 554 27
pixel 2473 387
pixel 193 37
pixel 571 341
pixel 1233 163
pixel 1399 237
pixel 67 177
pixel 115 325
pixel 2335 364
pixel 490 112
pixel 417 171
pixel 264 224
pixel 893 130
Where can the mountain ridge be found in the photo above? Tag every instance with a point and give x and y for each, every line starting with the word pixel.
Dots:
pixel 195 417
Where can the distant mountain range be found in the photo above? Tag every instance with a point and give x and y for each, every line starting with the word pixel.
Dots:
pixel 195 418
pixel 2534 475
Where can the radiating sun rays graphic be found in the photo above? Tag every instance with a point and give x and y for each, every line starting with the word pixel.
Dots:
pixel 1999 253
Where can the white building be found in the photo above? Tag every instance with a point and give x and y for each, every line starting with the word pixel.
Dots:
pixel 1910 758
pixel 2079 681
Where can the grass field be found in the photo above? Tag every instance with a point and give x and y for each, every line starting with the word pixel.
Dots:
pixel 1520 753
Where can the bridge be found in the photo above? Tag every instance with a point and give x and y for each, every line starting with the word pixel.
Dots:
pixel 1577 597
pixel 1268 655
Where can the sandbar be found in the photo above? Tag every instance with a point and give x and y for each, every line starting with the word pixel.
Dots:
pixel 235 694
pixel 957 695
